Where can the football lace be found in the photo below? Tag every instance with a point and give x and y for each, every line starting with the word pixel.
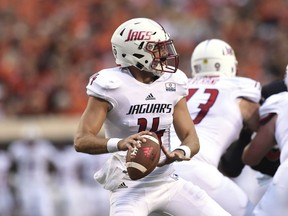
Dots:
pixel 134 152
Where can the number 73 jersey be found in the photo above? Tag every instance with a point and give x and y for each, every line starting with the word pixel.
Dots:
pixel 214 107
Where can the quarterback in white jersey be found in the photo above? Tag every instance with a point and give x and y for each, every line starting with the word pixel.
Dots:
pixel 273 129
pixel 146 93
pixel 219 103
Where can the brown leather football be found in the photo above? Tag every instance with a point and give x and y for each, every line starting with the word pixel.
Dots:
pixel 142 161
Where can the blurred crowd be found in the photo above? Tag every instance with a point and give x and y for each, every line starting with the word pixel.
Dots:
pixel 49 48
pixel 39 178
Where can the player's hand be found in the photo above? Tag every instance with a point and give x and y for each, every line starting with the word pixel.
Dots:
pixel 133 141
pixel 176 155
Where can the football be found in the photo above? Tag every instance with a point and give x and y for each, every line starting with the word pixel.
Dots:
pixel 142 161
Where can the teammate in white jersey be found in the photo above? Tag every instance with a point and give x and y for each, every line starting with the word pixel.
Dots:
pixel 220 104
pixel 274 129
pixel 253 180
pixel 146 92
pixel 33 157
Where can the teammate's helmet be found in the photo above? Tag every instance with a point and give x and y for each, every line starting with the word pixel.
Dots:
pixel 213 58
pixel 286 76
pixel 144 43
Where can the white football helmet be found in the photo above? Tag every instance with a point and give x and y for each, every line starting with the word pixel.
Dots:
pixel 144 43
pixel 213 58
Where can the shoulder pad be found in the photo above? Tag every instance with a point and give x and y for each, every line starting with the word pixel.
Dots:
pixel 247 88
pixel 105 79
pixel 273 104
pixel 179 77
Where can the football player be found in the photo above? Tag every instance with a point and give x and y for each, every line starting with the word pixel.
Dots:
pixel 254 180
pixel 273 129
pixel 33 160
pixel 221 104
pixel 145 92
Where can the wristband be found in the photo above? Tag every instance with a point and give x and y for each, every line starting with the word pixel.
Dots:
pixel 186 149
pixel 112 145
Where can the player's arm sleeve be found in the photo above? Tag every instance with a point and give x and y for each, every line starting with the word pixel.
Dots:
pixel 248 89
pixel 270 163
pixel 231 164
pixel 100 85
pixel 181 81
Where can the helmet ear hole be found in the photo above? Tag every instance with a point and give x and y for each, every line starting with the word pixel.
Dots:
pixel 217 66
pixel 139 65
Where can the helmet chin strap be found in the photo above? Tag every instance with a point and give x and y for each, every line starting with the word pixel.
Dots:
pixel 153 71
pixel 158 73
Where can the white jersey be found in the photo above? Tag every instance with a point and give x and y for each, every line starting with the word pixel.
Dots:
pixel 136 106
pixel 33 178
pixel 214 108
pixel 278 104
pixel 274 201
pixel 33 159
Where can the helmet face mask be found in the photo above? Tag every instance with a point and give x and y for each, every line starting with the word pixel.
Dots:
pixel 213 58
pixel 165 58
pixel 144 44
